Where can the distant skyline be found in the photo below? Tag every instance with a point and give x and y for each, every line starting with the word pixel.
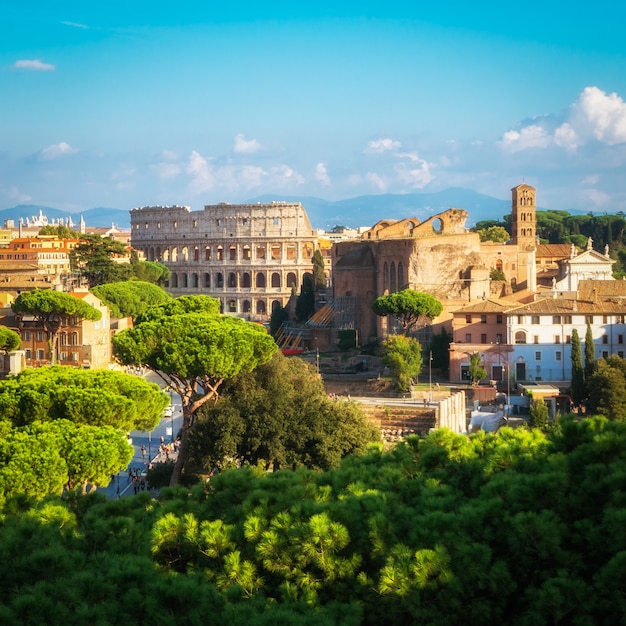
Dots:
pixel 129 104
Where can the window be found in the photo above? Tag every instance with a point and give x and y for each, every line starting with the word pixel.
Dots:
pixel 535 338
pixel 468 338
pixel 567 319
pixel 620 338
pixel 568 339
pixel 556 319
pixel 498 319
pixel 468 319
pixel 520 319
pixel 588 319
pixel 557 355
pixel 40 355
pixel 621 319
pixel 499 338
pixel 605 354
pixel 538 355
pixel 39 335
pixel 557 338
pixel 605 339
pixel 620 354
pixel 483 319
pixel 534 319
pixel 520 337
pixel 27 335
pixel 29 354
pixel 483 338
pixel 605 319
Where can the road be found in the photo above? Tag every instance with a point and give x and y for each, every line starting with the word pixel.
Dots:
pixel 168 427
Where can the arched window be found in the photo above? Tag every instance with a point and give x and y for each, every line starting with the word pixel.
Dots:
pixel 520 336
pixel 194 280
pixel 246 306
pixel 207 280
pixel 219 280
pixel 232 279
pixel 385 277
pixel 232 306
pixel 245 280
pixel 260 280
pixel 292 281
pixel 260 307
pixel 174 280
pixel 392 278
pixel 276 304
pixel 275 279
pixel 184 279
pixel 220 253
pixel 207 253
pixel 400 275
pixel 499 265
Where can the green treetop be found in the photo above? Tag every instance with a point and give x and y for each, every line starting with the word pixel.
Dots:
pixel 403 356
pixel 413 309
pixel 9 340
pixel 578 376
pixel 94 258
pixel 130 298
pixel 194 353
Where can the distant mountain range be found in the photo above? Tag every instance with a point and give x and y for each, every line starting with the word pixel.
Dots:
pixel 324 214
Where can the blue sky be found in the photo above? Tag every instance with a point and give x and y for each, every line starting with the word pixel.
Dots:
pixel 124 104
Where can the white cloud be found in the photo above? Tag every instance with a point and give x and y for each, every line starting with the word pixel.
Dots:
pixel 566 137
pixel 595 116
pixel 416 177
pixel 17 195
pixel 604 114
pixel 285 175
pixel 246 146
pixel 321 174
pixel 56 151
pixel 597 197
pixel 167 170
pixel 75 25
pixel 381 145
pixel 201 172
pixel 533 136
pixel 376 180
pixel 34 65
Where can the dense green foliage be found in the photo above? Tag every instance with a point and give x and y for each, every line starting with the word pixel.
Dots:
pixel 94 259
pixel 440 350
pixel 9 340
pixel 403 356
pixel 130 298
pixel 516 528
pixel 49 308
pixel 607 388
pixel 66 428
pixel 194 351
pixel 305 304
pixel 577 390
pixel 538 417
pixel 494 233
pixel 281 416
pixel 476 371
pixel 319 273
pixel 412 309
pixel 590 355
pixel 150 272
pixel 562 227
pixel 61 231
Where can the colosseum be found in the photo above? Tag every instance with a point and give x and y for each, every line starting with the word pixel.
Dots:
pixel 249 256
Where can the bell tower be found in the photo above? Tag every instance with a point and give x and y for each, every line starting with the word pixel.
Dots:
pixel 523 218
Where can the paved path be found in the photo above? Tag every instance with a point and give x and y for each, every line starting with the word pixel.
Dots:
pixel 168 427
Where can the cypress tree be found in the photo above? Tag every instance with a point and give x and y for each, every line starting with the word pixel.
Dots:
pixel 578 378
pixel 590 354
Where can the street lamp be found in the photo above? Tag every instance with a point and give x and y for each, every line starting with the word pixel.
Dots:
pixel 505 367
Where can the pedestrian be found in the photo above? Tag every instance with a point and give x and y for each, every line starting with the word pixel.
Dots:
pixel 143 452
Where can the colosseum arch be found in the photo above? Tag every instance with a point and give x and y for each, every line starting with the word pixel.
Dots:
pixel 292 280
pixel 260 307
pixel 194 280
pixel 207 280
pixel 260 280
pixel 275 279
pixel 246 282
